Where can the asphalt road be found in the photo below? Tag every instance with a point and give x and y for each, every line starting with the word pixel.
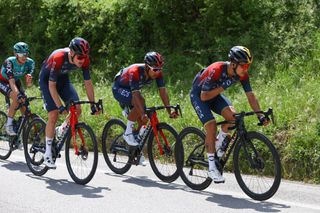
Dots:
pixel 139 191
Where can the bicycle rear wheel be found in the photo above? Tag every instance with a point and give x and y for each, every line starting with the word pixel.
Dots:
pixel 5 149
pixel 194 168
pixel 164 165
pixel 82 165
pixel 34 145
pixel 115 149
pixel 257 166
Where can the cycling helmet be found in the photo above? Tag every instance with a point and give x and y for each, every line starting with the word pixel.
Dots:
pixel 80 46
pixel 21 47
pixel 153 59
pixel 240 54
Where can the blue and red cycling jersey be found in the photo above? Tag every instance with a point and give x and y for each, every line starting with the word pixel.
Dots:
pixel 134 78
pixel 215 76
pixel 58 64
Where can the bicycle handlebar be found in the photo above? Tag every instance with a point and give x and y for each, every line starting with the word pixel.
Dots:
pixel 176 108
pixel 267 113
pixel 27 101
pixel 98 104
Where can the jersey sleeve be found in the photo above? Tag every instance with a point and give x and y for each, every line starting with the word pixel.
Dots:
pixel 160 81
pixel 85 69
pixel 8 66
pixel 31 67
pixel 245 82
pixel 209 81
pixel 55 65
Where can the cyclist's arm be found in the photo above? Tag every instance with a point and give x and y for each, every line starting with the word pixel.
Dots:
pixel 207 95
pixel 137 103
pixel 89 89
pixel 54 93
pixel 165 98
pixel 253 101
pixel 13 86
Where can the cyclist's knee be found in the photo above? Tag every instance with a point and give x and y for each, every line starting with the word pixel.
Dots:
pixel 228 113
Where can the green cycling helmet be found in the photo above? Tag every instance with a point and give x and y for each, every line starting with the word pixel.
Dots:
pixel 21 47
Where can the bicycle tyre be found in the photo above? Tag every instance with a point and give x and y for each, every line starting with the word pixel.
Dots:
pixel 170 172
pixel 87 132
pixel 270 149
pixel 117 162
pixel 192 145
pixel 34 143
pixel 5 147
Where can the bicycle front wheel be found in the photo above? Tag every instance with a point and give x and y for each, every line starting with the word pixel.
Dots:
pixel 257 166
pixel 34 145
pixel 164 164
pixel 115 149
pixel 82 154
pixel 5 150
pixel 194 168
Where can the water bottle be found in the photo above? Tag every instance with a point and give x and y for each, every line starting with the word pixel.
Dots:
pixel 141 132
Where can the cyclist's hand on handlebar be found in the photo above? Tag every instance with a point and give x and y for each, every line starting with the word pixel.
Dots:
pixel 62 110
pixel 95 109
pixel 173 114
pixel 263 120
pixel 21 98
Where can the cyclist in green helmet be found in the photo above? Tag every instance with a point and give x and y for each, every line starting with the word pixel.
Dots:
pixel 13 69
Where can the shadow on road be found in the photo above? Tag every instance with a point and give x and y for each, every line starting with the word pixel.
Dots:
pixel 66 187
pixel 227 201
pixel 15 166
pixel 231 202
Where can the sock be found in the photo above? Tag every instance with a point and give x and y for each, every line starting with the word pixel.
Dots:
pixel 48 146
pixel 9 122
pixel 212 165
pixel 129 127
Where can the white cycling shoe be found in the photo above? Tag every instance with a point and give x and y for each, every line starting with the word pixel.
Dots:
pixel 49 162
pixel 216 176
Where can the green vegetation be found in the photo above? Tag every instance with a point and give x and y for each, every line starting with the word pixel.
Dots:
pixel 282 35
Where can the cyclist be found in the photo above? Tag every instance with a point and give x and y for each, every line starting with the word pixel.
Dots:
pixel 55 84
pixel 13 69
pixel 126 90
pixel 206 96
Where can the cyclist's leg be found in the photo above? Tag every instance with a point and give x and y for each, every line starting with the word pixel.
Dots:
pixel 222 106
pixel 51 123
pixel 68 93
pixel 124 97
pixel 206 117
pixel 6 90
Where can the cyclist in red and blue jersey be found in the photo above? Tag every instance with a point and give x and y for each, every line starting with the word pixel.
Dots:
pixel 13 69
pixel 55 84
pixel 206 96
pixel 126 90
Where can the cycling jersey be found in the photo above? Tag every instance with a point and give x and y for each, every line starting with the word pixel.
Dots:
pixel 57 65
pixel 131 79
pixel 134 78
pixel 12 69
pixel 212 77
pixel 56 68
pixel 215 76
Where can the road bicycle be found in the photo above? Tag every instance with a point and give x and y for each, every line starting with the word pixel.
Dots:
pixel 256 162
pixel 81 148
pixel 10 143
pixel 161 138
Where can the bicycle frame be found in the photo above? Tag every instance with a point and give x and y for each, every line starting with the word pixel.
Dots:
pixel 73 122
pixel 152 126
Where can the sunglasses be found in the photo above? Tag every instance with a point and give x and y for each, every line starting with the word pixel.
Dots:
pixel 155 69
pixel 80 57
pixel 22 55
pixel 244 66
